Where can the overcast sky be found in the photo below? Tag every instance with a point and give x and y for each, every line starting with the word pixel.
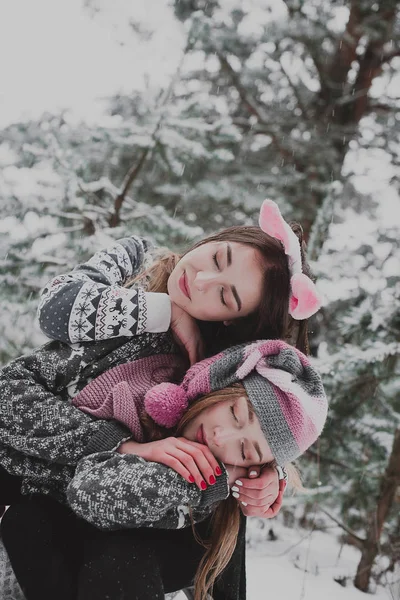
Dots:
pixel 54 55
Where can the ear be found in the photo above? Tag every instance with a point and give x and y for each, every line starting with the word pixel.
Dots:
pixel 227 323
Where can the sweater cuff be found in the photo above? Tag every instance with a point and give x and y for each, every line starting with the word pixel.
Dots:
pixel 109 437
pixel 158 312
pixel 217 492
pixel 282 473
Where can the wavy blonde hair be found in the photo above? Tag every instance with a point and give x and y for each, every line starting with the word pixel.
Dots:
pixel 225 521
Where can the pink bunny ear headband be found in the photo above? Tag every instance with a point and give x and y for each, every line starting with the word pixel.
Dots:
pixel 304 299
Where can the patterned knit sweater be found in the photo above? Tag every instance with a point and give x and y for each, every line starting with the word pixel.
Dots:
pixel 58 449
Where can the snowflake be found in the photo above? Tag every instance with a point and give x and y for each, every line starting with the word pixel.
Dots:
pixel 83 309
pixel 78 327
pixel 90 293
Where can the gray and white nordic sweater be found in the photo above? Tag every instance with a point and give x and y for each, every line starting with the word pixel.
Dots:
pixel 61 451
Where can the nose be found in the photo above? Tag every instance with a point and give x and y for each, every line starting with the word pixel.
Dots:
pixel 222 435
pixel 204 280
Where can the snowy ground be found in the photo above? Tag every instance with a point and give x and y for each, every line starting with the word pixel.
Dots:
pixel 302 566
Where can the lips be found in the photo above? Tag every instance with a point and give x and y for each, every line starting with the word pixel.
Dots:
pixel 184 286
pixel 201 436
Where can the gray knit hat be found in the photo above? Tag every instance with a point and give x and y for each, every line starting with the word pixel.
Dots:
pixel 283 387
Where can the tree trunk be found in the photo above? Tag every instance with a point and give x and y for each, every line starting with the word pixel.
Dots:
pixel 389 484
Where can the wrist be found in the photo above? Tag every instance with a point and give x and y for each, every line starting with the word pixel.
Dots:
pixel 130 447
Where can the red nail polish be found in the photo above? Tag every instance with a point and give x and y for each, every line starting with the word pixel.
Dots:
pixel 191 478
pixel 203 484
pixel 218 471
pixel 212 480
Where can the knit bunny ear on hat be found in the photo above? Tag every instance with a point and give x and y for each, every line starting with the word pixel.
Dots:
pixel 166 404
pixel 304 298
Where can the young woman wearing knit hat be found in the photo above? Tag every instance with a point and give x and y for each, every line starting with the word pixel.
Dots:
pixel 94 306
pixel 252 404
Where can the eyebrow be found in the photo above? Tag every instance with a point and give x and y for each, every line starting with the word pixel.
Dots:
pixel 258 449
pixel 256 444
pixel 228 255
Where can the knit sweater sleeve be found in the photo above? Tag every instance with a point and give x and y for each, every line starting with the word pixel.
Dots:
pixel 114 491
pixel 91 304
pixel 36 422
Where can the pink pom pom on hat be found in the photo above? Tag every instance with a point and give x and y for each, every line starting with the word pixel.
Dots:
pixel 304 298
pixel 166 403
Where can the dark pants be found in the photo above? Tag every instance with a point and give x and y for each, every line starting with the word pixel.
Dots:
pixel 56 555
pixel 10 488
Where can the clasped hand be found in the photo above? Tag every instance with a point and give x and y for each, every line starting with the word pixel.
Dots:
pixel 194 461
pixel 257 490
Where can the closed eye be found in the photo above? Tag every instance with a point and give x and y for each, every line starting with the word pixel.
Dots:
pixel 242 448
pixel 215 259
pixel 222 297
pixel 233 414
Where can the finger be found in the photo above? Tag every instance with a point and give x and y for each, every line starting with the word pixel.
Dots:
pixel 262 501
pixel 271 489
pixel 191 466
pixel 203 458
pixel 275 507
pixel 256 484
pixel 266 500
pixel 202 462
pixel 216 469
pixel 175 464
pixel 253 472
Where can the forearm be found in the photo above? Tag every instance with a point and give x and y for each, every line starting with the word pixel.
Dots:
pixel 91 304
pixel 36 422
pixel 113 491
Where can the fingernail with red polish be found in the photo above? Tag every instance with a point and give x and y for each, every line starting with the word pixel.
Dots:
pixel 212 480
pixel 203 484
pixel 218 471
pixel 191 478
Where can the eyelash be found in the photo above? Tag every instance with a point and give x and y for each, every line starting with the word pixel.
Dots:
pixel 222 296
pixel 222 289
pixel 242 444
pixel 216 261
pixel 234 416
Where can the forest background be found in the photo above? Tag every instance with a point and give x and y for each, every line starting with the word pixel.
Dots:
pixel 219 104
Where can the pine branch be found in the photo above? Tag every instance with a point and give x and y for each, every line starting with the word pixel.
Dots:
pixel 136 168
pixel 359 542
pixel 256 110
pixel 295 89
pixel 318 457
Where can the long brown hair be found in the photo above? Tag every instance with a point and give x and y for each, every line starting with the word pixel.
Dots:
pixel 225 520
pixel 271 320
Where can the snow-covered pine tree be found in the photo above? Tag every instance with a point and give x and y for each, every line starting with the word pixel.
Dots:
pixel 296 79
pixel 360 363
pixel 59 186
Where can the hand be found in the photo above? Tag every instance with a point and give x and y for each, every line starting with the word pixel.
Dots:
pixel 193 461
pixel 260 495
pixel 187 333
pixel 235 473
